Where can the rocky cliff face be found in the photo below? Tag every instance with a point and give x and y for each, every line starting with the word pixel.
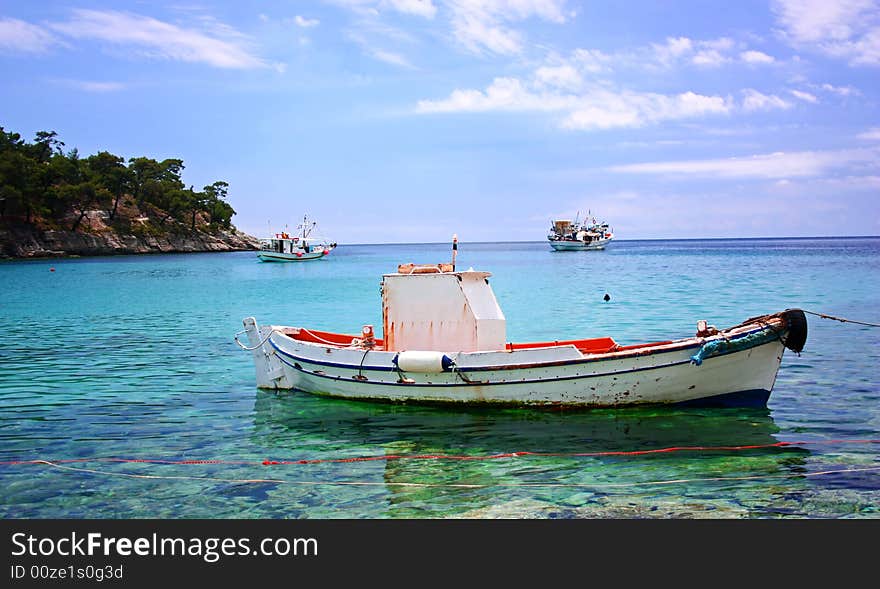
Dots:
pixel 29 242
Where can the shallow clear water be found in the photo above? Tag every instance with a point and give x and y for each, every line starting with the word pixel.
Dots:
pixel 132 357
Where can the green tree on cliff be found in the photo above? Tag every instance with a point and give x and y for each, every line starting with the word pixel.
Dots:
pixel 14 171
pixel 219 211
pixel 39 181
pixel 152 179
pixel 109 172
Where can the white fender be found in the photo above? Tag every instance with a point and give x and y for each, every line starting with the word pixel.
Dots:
pixel 428 362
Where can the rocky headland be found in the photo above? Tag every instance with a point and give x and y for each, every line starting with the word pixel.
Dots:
pixel 95 238
pixel 29 242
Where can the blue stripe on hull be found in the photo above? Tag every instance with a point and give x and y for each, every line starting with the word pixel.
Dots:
pixel 477 369
pixel 750 398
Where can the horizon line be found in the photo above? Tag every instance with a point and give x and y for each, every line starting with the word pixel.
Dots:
pixel 633 240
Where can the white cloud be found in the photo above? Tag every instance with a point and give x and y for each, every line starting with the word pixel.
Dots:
pixel 840 90
pixel 755 100
pixel 380 54
pixel 423 8
pixel 756 57
pixel 477 34
pixel 549 10
pixel 672 50
pixel 805 96
pixel 481 25
pixel 306 22
pixel 98 87
pixel 849 183
pixel 855 182
pixel 848 29
pixel 20 36
pixel 591 60
pixel 820 20
pixel 872 134
pixel 563 76
pixel 504 94
pixel 705 53
pixel 595 108
pixel 604 109
pixel 712 53
pixel 158 39
pixel 390 58
pixel 769 166
pixel 89 86
pixel 710 58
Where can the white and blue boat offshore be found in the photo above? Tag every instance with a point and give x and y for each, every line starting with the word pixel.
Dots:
pixel 284 247
pixel 567 235
pixel 444 341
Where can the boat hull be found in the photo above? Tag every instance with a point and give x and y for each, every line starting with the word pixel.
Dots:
pixel 738 368
pixel 282 257
pixel 578 246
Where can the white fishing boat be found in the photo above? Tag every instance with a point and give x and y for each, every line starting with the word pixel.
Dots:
pixel 284 247
pixel 568 235
pixel 445 342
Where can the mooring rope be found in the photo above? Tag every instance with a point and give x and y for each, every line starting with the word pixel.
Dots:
pixel 461 485
pixel 841 319
pixel 439 456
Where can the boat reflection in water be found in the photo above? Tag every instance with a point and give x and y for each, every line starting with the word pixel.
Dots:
pixel 297 426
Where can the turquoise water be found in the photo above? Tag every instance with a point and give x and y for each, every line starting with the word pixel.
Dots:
pixel 132 358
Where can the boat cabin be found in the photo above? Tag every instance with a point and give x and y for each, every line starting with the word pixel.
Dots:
pixel 283 243
pixel 437 308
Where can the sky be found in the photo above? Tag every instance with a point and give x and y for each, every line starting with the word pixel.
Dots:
pixel 402 121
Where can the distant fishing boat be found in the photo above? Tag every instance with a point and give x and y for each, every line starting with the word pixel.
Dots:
pixel 284 247
pixel 567 235
pixel 445 342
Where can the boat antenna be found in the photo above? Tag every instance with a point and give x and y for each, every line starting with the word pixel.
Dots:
pixel 454 249
pixel 306 230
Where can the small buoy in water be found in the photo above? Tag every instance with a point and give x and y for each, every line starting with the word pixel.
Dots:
pixel 607 297
pixel 51 269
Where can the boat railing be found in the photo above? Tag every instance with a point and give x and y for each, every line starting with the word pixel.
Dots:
pixel 424 268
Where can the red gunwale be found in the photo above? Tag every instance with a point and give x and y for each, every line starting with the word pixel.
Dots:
pixel 324 337
pixel 598 345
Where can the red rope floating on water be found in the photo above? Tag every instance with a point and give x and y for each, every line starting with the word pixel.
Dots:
pixel 462 457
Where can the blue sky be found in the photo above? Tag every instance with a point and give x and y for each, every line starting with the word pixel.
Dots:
pixel 411 120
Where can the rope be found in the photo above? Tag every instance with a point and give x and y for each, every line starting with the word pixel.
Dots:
pixel 360 375
pixel 462 485
pixel 259 345
pixel 457 372
pixel 465 457
pixel 841 319
pixel 355 342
